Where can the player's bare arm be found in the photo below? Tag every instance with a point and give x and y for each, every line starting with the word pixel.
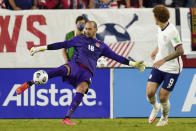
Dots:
pixel 154 53
pixel 178 52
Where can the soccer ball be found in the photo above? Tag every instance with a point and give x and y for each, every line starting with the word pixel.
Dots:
pixel 101 62
pixel 40 77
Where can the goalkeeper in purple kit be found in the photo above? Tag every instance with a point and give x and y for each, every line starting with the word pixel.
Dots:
pixel 80 69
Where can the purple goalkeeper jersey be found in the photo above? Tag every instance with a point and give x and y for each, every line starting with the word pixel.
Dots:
pixel 88 51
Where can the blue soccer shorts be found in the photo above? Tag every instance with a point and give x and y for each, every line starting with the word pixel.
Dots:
pixel 168 79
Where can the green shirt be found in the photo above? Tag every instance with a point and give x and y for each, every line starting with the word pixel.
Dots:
pixel 70 51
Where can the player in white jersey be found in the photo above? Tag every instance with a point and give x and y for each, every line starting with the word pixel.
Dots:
pixel 167 65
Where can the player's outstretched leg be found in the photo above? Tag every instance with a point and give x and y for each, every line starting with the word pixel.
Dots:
pixel 156 107
pixel 60 71
pixel 23 87
pixel 165 107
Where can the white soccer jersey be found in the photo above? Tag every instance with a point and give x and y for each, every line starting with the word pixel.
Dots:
pixel 168 40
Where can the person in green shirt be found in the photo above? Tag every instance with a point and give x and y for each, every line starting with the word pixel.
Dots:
pixel 80 23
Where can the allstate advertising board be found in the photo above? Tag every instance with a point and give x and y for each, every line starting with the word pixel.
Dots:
pixel 130 94
pixel 53 99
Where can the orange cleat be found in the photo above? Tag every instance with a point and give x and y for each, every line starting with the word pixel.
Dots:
pixel 22 88
pixel 67 122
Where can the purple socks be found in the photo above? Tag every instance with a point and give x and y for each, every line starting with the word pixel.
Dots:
pixel 74 104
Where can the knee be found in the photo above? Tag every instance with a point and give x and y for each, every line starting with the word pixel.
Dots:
pixel 151 89
pixel 150 93
pixel 82 87
pixel 163 98
pixel 81 90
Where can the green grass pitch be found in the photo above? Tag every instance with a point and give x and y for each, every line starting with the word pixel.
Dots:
pixel 120 124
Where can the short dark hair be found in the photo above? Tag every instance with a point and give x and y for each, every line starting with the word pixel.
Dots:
pixel 95 24
pixel 161 13
pixel 79 18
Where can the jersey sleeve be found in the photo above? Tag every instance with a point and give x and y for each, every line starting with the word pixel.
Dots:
pixel 65 44
pixel 175 39
pixel 112 55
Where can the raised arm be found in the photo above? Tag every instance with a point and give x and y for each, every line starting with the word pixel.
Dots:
pixel 55 46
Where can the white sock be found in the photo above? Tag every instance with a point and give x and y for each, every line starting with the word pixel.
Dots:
pixel 153 101
pixel 165 108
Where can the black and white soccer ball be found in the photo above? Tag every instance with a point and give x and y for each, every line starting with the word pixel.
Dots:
pixel 40 77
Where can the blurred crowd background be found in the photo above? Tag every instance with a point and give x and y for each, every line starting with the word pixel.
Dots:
pixel 91 4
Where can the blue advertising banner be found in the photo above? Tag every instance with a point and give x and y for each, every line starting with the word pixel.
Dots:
pixel 52 99
pixel 130 94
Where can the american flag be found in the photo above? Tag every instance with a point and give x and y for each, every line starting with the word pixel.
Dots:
pixel 121 48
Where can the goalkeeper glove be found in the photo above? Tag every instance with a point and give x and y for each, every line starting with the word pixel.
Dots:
pixel 139 65
pixel 34 50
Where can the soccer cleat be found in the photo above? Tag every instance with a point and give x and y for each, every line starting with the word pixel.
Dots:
pixel 162 122
pixel 22 88
pixel 154 114
pixel 67 122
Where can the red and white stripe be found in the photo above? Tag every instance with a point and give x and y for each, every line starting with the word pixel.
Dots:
pixel 121 48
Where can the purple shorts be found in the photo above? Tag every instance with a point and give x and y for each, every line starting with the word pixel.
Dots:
pixel 168 79
pixel 77 75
